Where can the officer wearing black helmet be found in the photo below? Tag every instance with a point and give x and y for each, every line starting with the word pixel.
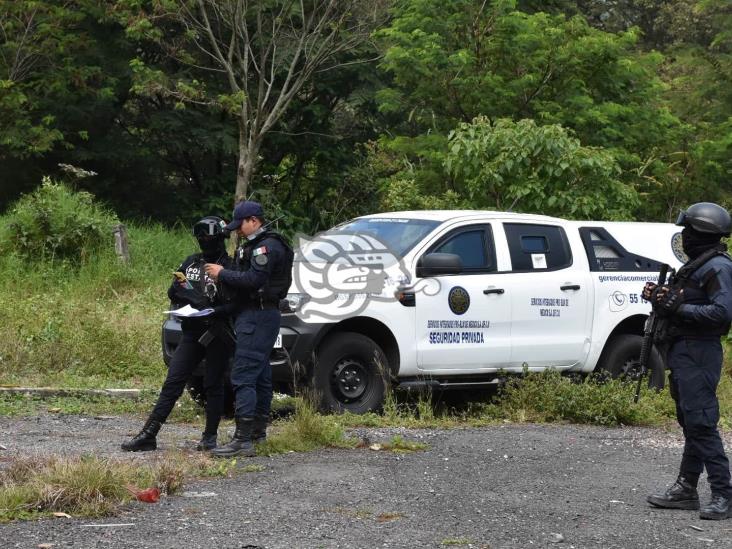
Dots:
pixel 264 276
pixel 203 337
pixel 697 304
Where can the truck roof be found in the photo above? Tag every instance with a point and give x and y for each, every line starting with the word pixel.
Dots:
pixel 448 215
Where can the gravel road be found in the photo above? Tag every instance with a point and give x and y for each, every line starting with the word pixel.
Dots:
pixel 507 486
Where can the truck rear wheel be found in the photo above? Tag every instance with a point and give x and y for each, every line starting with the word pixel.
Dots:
pixel 620 359
pixel 350 374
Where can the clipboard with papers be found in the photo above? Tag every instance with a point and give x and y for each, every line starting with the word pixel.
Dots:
pixel 190 312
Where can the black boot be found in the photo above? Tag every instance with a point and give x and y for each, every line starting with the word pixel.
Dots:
pixel 241 444
pixel 259 429
pixel 145 440
pixel 718 508
pixel 681 495
pixel 208 442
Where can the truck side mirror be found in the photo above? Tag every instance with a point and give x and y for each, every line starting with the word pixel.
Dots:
pixel 437 264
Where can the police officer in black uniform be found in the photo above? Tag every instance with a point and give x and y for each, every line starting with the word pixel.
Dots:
pixel 697 304
pixel 263 278
pixel 207 337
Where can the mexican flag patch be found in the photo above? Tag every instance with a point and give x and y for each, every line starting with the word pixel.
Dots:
pixel 259 251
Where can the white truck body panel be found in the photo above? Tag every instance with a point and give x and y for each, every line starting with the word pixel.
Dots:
pixel 534 317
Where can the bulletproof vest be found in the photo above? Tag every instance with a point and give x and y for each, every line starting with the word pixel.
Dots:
pixel 696 293
pixel 280 278
pixel 202 283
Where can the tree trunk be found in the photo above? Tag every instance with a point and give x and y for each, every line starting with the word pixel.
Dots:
pixel 245 169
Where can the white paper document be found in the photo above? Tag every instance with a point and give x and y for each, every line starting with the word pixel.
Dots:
pixel 190 312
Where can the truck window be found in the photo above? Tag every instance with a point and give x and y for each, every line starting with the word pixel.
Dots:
pixel 607 254
pixel 537 247
pixel 474 245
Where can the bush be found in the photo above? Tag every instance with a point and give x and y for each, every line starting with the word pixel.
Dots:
pixel 549 396
pixel 58 223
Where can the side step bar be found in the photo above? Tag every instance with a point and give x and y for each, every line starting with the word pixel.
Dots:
pixel 421 384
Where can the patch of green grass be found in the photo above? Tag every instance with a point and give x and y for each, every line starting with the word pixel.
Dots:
pixel 30 405
pixel 252 468
pixel 185 410
pixel 400 446
pixel 93 323
pixel 83 486
pixel 90 486
pixel 550 396
pixel 306 431
pixel 536 397
pixel 456 541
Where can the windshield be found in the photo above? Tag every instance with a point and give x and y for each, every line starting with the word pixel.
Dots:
pixel 398 234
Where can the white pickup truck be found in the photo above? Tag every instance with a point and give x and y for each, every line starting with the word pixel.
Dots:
pixel 460 298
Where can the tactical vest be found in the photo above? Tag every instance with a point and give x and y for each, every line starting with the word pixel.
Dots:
pixel 280 278
pixel 695 293
pixel 204 284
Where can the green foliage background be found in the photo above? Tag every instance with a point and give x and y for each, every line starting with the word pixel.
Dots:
pixel 646 85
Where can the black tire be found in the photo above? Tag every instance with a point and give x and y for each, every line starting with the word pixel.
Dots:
pixel 620 360
pixel 350 374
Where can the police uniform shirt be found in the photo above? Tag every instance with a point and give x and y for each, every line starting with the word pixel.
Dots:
pixel 707 299
pixel 260 260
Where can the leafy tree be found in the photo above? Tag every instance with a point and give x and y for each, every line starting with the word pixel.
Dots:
pixel 453 61
pixel 265 53
pixel 57 93
pixel 540 169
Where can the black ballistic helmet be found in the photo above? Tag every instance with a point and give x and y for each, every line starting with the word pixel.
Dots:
pixel 209 226
pixel 706 217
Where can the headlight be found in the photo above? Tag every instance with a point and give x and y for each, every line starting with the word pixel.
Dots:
pixel 293 302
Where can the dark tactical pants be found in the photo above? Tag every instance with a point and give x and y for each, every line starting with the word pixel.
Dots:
pixel 186 357
pixel 251 376
pixel 696 366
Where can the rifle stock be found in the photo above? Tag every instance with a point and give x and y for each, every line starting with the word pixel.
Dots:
pixel 648 333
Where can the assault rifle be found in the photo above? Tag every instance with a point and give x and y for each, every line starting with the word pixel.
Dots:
pixel 648 335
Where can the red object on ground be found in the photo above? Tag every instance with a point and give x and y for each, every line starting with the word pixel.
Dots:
pixel 150 495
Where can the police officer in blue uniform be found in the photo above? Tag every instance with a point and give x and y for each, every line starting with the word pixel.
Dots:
pixel 697 304
pixel 263 278
pixel 205 337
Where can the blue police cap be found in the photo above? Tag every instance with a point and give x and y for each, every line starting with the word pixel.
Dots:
pixel 245 209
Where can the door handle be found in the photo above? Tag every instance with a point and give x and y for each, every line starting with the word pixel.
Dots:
pixel 494 291
pixel 570 287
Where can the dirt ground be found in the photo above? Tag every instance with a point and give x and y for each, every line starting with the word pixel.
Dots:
pixel 507 486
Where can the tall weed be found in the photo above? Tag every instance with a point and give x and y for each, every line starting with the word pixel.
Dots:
pixel 54 222
pixel 550 396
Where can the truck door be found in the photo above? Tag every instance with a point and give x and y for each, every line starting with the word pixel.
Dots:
pixel 465 325
pixel 550 298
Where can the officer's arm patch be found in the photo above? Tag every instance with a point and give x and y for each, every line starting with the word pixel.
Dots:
pixel 260 256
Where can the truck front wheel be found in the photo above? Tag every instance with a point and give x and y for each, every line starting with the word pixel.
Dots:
pixel 620 359
pixel 350 373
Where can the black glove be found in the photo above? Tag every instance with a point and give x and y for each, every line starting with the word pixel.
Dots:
pixel 192 297
pixel 648 290
pixel 223 312
pixel 668 300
